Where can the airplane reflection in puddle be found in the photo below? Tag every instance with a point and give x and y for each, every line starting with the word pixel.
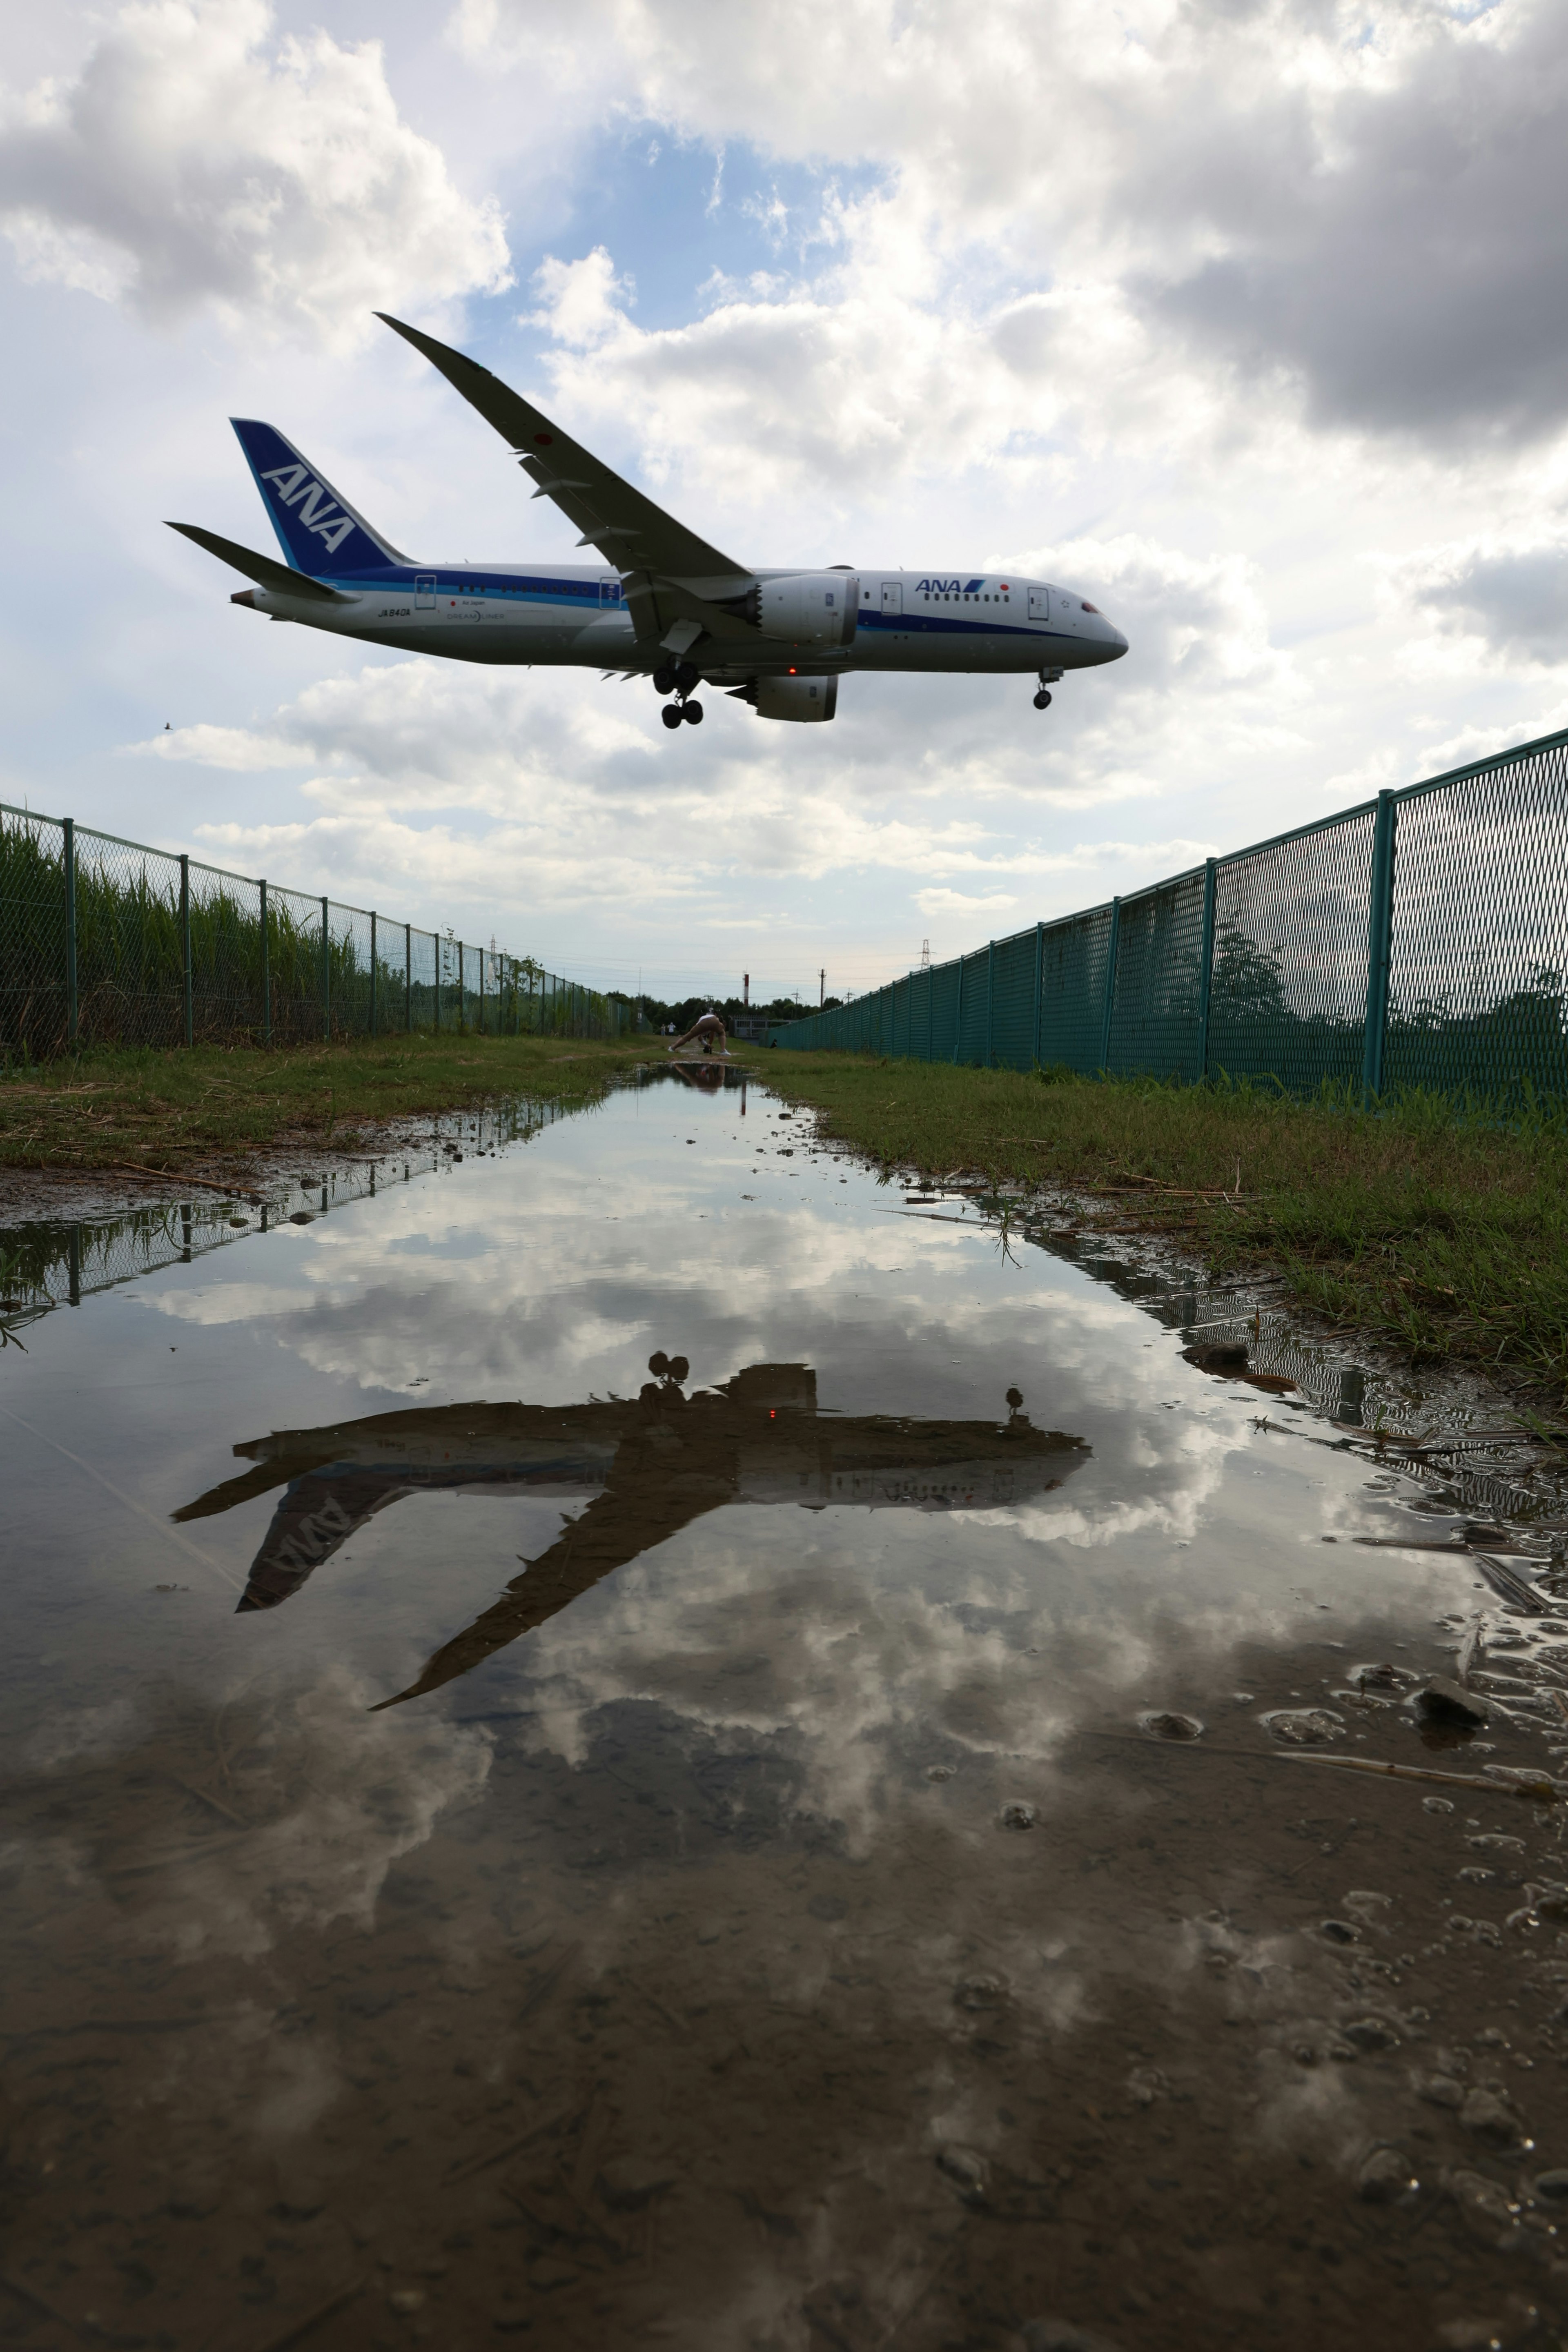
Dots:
pixel 651 1464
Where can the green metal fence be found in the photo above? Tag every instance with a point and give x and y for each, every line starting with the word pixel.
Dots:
pixel 104 941
pixel 1421 938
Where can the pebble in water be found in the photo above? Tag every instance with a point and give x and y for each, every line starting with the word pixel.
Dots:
pixel 301 1217
pixel 1385 2176
pixel 941 1771
pixel 1551 2185
pixel 1490 2118
pixel 1370 2033
pixel 1015 1816
pixel 1443 1701
pixel 1338 1931
pixel 1483 2203
pixel 966 2169
pixel 1440 2090
pixel 1305 1727
pixel 628 2184
pixel 1437 1804
pixel 979 1992
pixel 1166 1725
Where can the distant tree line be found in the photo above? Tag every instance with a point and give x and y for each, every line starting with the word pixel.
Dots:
pixel 688 1008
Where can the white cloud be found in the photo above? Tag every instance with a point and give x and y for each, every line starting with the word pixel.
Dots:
pixel 195 161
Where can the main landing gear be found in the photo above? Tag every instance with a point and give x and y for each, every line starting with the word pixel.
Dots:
pixel 1047 679
pixel 678 678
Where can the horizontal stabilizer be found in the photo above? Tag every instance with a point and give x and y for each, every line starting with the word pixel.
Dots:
pixel 265 569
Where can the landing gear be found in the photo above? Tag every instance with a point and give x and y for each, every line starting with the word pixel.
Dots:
pixel 678 678
pixel 1047 679
pixel 1042 700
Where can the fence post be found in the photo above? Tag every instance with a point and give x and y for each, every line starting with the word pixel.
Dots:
pixel 958 1016
pixel 326 976
pixel 460 1012
pixel 408 978
pixel 1211 870
pixel 991 1004
pixel 372 972
pixel 266 972
pixel 185 944
pixel 1040 984
pixel 70 934
pixel 1114 943
pixel 1380 927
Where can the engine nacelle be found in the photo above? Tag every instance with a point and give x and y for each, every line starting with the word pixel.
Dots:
pixel 810 608
pixel 794 698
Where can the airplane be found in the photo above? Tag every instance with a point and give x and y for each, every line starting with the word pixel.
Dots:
pixel 649 1466
pixel 662 603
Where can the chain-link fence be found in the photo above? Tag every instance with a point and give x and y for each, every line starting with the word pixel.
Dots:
pixel 105 942
pixel 1421 938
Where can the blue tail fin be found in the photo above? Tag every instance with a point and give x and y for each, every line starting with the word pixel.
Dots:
pixel 318 529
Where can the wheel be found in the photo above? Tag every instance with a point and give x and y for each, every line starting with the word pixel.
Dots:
pixel 1042 700
pixel 670 714
pixel 664 678
pixel 692 714
pixel 686 676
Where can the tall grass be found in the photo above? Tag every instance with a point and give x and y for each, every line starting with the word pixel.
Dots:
pixel 131 975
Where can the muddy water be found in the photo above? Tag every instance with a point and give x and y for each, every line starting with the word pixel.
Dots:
pixel 500 1840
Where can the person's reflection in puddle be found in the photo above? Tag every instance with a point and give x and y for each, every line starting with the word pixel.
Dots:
pixel 651 1467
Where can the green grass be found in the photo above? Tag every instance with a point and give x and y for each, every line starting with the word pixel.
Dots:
pixel 216 1106
pixel 1429 1225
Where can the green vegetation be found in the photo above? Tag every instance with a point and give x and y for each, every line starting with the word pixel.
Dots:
pixel 215 1108
pixel 251 982
pixel 1431 1225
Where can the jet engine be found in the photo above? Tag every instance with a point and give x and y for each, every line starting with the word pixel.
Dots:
pixel 803 699
pixel 809 608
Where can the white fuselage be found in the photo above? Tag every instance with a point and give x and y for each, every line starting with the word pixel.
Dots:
pixel 573 614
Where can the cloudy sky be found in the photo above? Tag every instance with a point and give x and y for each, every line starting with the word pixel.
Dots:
pixel 1250 320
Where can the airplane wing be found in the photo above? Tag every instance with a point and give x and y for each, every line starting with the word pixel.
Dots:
pixel 671 576
pixel 618 1527
pixel 263 569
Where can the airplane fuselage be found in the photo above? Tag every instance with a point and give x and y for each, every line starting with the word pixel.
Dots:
pixel 575 616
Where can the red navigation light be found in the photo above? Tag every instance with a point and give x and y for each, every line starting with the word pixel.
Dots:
pixel 792 673
pixel 544 439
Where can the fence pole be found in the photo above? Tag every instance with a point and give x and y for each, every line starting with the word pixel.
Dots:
pixel 958 1016
pixel 408 978
pixel 326 976
pixel 991 1004
pixel 930 1011
pixel 461 1016
pixel 1114 943
pixel 70 935
pixel 1380 927
pixel 1040 984
pixel 265 970
pixel 1211 871
pixel 185 944
pixel 372 972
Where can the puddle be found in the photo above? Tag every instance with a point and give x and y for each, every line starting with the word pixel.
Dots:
pixel 636 1739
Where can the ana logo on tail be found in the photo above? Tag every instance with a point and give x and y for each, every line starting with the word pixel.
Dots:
pixel 320 513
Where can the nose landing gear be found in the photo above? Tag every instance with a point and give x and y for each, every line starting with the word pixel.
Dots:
pixel 1047 679
pixel 1042 700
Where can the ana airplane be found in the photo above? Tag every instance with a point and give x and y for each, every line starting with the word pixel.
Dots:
pixel 661 603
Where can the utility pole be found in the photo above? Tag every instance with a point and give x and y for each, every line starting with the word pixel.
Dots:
pixel 925 955
pixel 822 988
pixel 746 990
